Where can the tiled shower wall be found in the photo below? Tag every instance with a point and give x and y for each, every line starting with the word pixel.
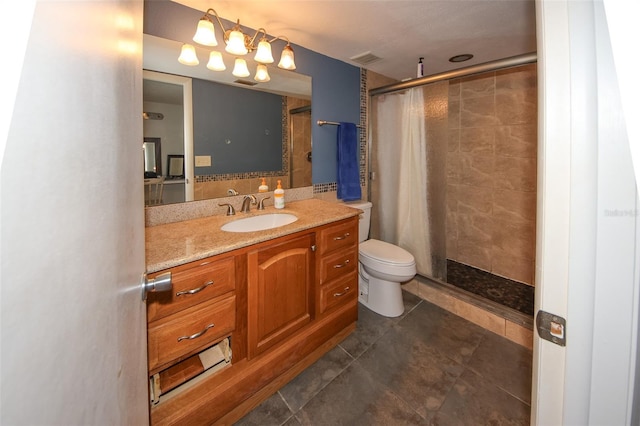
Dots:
pixel 491 172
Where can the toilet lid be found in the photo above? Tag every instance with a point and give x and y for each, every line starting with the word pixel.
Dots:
pixel 383 252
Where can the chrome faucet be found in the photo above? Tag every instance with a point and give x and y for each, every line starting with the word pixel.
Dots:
pixel 246 203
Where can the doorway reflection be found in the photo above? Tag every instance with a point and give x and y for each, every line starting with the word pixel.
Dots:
pixel 300 150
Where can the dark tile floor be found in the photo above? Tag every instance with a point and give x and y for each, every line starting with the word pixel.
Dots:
pixel 427 367
pixel 513 294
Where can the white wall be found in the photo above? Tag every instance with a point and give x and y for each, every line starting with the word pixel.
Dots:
pixel 170 129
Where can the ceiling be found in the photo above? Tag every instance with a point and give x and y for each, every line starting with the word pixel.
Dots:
pixel 399 32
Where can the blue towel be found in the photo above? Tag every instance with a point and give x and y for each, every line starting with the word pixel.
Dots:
pixel 348 163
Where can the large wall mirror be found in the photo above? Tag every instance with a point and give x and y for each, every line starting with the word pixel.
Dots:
pixel 232 132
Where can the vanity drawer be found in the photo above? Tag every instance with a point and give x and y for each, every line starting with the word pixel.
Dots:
pixel 191 330
pixel 338 264
pixel 339 236
pixel 339 292
pixel 191 286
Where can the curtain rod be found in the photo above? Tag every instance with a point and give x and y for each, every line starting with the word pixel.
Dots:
pixel 333 123
pixel 461 72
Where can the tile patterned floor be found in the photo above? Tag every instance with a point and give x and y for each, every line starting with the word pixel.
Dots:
pixel 427 367
pixel 501 290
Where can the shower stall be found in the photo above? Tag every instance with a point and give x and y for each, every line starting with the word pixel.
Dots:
pixel 453 165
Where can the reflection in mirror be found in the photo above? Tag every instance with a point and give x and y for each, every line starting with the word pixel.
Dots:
pixel 211 148
pixel 169 97
pixel 175 164
pixel 152 157
pixel 153 189
pixel 300 146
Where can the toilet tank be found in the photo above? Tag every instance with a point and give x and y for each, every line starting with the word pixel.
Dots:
pixel 365 219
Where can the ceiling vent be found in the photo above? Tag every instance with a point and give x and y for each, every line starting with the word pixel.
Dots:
pixel 245 82
pixel 365 58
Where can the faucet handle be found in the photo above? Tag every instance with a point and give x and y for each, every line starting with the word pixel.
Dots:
pixel 230 210
pixel 261 203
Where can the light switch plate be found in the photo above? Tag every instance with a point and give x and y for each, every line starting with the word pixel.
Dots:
pixel 203 161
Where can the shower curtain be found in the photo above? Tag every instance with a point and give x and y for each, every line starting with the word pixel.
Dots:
pixel 409 142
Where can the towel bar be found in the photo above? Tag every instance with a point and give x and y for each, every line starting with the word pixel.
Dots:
pixel 333 123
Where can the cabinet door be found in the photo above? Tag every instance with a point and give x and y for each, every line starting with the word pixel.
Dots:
pixel 280 293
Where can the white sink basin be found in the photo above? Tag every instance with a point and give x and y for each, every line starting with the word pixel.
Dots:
pixel 259 223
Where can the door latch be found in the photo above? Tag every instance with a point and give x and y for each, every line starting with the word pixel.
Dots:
pixel 552 328
pixel 161 282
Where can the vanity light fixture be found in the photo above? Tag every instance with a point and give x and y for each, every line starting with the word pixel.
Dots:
pixel 237 43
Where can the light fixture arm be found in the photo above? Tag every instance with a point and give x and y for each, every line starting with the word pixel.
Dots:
pixel 250 42
pixel 280 38
pixel 206 16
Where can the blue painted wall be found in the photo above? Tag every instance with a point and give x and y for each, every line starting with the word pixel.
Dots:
pixel 245 130
pixel 335 84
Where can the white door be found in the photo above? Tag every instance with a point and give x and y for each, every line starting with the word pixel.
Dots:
pixel 72 218
pixel 587 224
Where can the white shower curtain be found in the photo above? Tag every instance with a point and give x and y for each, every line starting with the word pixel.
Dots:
pixel 400 150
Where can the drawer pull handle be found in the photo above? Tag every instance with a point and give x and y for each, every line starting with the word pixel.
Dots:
pixel 195 290
pixel 341 265
pixel 346 235
pixel 346 289
pixel 198 334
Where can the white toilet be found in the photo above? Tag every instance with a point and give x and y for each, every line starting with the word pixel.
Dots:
pixel 383 267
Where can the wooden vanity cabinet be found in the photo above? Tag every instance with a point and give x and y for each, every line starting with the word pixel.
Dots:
pixel 199 311
pixel 285 303
pixel 337 266
pixel 280 296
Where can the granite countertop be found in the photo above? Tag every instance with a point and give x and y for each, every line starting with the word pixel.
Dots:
pixel 177 243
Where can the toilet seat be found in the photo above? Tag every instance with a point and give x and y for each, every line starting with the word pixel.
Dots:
pixel 384 253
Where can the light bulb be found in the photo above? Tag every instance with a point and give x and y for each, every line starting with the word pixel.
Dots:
pixel 286 60
pixel 263 54
pixel 262 75
pixel 235 45
pixel 240 68
pixel 215 62
pixel 206 33
pixel 188 55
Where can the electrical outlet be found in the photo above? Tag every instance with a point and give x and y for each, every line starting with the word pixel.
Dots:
pixel 203 161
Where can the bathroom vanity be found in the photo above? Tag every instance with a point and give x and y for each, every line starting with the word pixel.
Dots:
pixel 248 310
